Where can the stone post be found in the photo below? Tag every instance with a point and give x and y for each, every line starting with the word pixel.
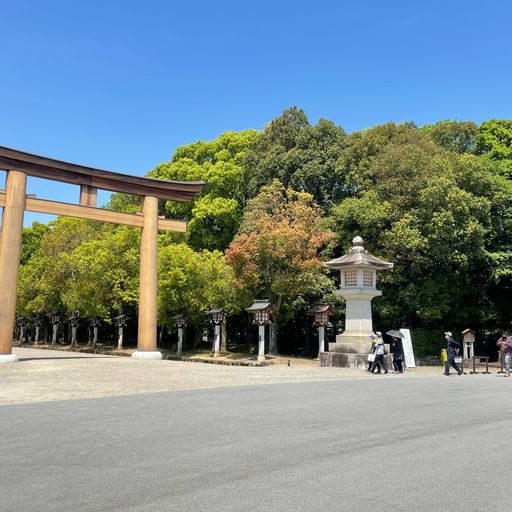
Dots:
pixel 179 351
pixel 120 338
pixel 321 339
pixel 216 341
pixel 261 343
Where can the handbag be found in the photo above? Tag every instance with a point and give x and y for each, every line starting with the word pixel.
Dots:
pixel 371 358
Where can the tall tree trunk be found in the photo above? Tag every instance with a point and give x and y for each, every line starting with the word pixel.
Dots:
pixel 197 338
pixel 273 331
pixel 161 337
pixel 307 340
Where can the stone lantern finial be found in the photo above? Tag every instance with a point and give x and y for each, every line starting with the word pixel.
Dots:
pixel 358 244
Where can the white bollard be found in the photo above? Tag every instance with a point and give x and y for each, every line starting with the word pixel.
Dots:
pixel 216 344
pixel 180 341
pixel 321 339
pixel 261 343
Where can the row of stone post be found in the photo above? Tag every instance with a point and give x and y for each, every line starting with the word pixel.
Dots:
pixel 261 312
pixel 56 320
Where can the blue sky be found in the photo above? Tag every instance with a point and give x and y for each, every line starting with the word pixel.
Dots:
pixel 120 84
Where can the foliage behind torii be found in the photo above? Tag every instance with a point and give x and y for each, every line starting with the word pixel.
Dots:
pixel 435 200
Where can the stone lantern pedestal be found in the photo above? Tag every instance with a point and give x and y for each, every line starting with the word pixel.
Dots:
pixel 358 271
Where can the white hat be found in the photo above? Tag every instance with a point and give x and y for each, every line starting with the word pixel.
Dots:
pixel 378 333
pixel 448 333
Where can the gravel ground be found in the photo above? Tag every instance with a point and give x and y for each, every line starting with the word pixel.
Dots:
pixel 43 375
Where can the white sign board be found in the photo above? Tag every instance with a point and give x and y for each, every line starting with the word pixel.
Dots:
pixel 408 352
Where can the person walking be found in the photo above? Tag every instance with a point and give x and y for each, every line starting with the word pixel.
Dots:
pixel 398 355
pixel 505 346
pixel 452 349
pixel 371 354
pixel 380 352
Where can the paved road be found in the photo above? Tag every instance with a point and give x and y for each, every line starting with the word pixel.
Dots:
pixel 424 444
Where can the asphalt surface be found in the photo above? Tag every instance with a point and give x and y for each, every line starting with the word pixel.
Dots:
pixel 425 444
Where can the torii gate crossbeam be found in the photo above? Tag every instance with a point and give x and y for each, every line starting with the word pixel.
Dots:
pixel 15 201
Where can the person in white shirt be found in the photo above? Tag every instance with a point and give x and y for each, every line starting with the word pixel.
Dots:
pixel 380 352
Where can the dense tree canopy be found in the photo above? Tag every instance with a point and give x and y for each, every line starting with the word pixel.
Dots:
pixel 494 138
pixel 300 156
pixel 435 200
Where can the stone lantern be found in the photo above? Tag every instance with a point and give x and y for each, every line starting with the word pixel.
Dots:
pixel 74 321
pixel 358 272
pixel 321 314
pixel 94 322
pixel 55 320
pixel 37 321
pixel 217 316
pixel 20 322
pixel 120 322
pixel 261 312
pixel 468 344
pixel 180 321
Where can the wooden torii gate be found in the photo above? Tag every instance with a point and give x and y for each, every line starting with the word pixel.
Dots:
pixel 15 201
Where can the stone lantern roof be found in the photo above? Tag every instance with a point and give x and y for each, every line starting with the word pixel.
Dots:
pixel 261 305
pixel 215 311
pixel 319 308
pixel 358 257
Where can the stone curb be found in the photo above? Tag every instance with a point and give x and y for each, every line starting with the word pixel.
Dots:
pixel 214 361
pixel 169 357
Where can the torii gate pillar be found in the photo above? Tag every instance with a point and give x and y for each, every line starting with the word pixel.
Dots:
pixel 12 229
pixel 148 283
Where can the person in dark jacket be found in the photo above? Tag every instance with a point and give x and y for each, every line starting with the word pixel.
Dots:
pixel 452 349
pixel 398 355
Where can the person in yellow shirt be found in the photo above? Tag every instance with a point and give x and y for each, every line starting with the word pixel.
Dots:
pixel 444 356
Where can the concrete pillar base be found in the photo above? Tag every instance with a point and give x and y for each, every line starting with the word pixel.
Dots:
pixel 139 354
pixel 8 358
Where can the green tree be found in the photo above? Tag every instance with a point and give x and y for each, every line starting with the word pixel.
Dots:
pixel 124 203
pixel 43 276
pixel 299 155
pixel 456 136
pixel 494 139
pixel 31 240
pixel 103 274
pixel 216 213
pixel 191 282
pixel 356 162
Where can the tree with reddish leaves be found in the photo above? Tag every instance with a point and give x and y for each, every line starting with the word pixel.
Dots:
pixel 276 252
